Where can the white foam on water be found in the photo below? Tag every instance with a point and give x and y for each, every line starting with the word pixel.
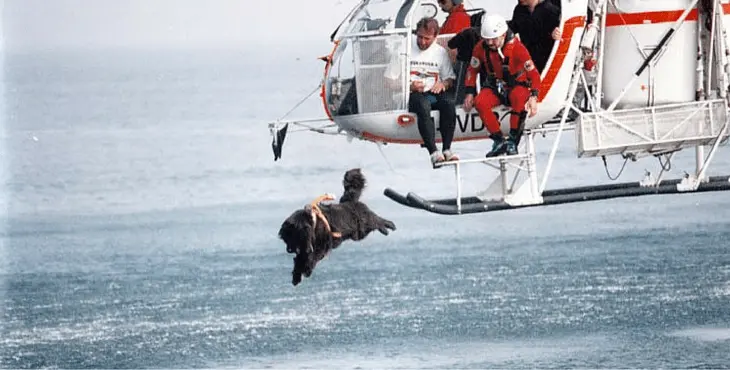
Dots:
pixel 422 354
pixel 723 291
pixel 704 334
pixel 104 329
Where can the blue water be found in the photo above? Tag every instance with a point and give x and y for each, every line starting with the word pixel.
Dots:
pixel 143 205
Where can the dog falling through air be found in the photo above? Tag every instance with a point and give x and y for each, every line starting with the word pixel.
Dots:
pixel 312 232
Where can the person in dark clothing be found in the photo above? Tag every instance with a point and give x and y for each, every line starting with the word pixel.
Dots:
pixel 537 22
pixel 464 43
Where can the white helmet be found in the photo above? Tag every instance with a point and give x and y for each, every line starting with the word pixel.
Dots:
pixel 493 25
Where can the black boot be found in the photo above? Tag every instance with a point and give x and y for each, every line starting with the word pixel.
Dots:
pixel 513 141
pixel 516 134
pixel 499 145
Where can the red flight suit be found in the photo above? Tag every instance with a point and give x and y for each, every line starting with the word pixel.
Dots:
pixel 457 20
pixel 525 81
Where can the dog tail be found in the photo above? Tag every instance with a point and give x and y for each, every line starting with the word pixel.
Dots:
pixel 354 183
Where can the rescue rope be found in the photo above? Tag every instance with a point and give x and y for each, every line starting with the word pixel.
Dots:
pixel 302 123
pixel 301 102
pixel 319 130
pixel 380 149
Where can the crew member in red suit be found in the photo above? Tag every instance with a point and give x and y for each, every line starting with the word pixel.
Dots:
pixel 457 20
pixel 512 80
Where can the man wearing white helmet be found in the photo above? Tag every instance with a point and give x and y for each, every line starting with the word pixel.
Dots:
pixel 511 79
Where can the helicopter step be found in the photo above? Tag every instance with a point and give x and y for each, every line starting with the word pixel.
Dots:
pixel 651 129
pixel 495 161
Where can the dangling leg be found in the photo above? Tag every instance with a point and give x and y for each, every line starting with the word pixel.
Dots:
pixel 517 99
pixel 418 104
pixel 447 124
pixel 516 134
pixel 484 102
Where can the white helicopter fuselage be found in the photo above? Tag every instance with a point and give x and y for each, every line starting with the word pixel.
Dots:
pixel 642 79
pixel 633 29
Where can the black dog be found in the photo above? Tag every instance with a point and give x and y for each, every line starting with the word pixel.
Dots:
pixel 317 229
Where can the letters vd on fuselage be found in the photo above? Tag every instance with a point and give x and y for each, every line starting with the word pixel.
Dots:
pixel 467 122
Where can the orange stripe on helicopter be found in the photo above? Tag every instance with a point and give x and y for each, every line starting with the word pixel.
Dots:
pixel 618 19
pixel 613 19
pixel 327 59
pixel 563 46
pixel 625 19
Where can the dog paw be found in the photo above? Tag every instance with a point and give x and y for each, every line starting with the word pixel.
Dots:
pixel 386 224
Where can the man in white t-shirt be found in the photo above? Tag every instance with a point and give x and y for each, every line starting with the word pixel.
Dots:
pixel 431 74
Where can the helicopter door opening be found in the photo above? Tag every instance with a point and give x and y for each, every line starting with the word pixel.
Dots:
pixel 457 92
pixel 340 84
pixel 476 10
pixel 375 40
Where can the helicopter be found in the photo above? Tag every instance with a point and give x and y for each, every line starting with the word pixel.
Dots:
pixel 607 79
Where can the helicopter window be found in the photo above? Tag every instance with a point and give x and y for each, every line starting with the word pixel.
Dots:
pixel 355 81
pixel 374 15
pixel 400 18
pixel 376 24
pixel 374 58
pixel 429 10
pixel 341 89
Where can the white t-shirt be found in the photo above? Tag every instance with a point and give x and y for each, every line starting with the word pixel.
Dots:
pixel 429 66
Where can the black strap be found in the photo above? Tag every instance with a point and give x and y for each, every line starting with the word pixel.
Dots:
pixel 509 79
pixel 490 70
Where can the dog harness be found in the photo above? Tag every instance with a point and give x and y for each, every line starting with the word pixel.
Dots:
pixel 318 214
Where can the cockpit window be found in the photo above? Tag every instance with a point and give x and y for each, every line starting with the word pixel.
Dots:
pixel 374 15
